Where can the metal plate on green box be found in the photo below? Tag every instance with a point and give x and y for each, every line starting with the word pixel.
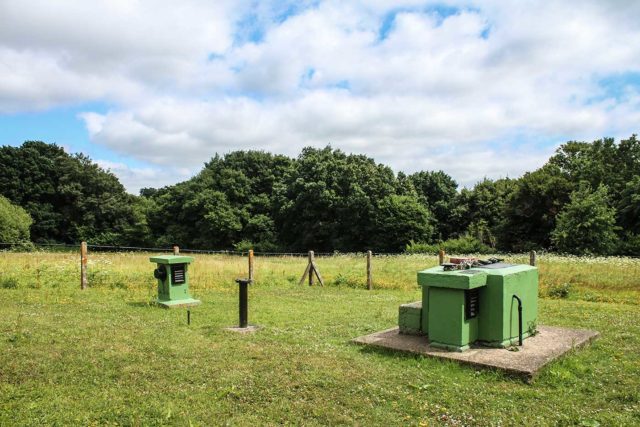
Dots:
pixel 496 265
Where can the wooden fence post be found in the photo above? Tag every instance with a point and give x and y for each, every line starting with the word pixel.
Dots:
pixel 251 265
pixel 369 279
pixel 311 263
pixel 441 257
pixel 311 269
pixel 532 258
pixel 83 265
pixel 176 250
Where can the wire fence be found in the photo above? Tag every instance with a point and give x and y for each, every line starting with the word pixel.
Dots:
pixel 118 248
pixel 84 248
pixel 349 269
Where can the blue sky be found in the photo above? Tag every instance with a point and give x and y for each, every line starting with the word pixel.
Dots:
pixel 60 125
pixel 472 88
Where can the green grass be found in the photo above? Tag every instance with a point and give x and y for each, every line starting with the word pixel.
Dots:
pixel 106 357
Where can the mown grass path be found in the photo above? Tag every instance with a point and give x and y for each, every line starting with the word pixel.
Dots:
pixel 104 356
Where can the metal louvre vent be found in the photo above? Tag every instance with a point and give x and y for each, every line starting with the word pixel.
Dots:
pixel 471 303
pixel 177 274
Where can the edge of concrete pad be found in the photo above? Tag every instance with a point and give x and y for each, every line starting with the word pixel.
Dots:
pixel 185 303
pixel 549 344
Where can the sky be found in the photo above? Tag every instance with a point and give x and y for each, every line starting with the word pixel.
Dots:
pixel 152 89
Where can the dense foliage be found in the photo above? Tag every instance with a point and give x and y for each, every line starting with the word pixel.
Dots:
pixel 586 225
pixel 330 200
pixel 69 197
pixel 14 222
pixel 585 199
pixel 232 200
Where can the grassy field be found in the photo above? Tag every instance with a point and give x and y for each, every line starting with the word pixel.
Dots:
pixel 106 357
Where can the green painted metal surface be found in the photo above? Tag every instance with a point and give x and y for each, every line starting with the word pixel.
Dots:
pixel 172 273
pixel 457 279
pixel 499 310
pixel 409 317
pixel 424 318
pixel 444 297
pixel 448 328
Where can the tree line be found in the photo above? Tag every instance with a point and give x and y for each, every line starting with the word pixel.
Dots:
pixel 584 200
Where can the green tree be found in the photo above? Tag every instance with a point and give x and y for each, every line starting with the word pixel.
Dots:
pixel 629 206
pixel 404 185
pixel 329 199
pixel 231 200
pixel 480 210
pixel 14 222
pixel 137 230
pixel 69 197
pixel 438 192
pixel 586 225
pixel 531 209
pixel 600 162
pixel 628 209
pixel 400 220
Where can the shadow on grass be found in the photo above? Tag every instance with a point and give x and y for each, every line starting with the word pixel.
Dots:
pixel 142 304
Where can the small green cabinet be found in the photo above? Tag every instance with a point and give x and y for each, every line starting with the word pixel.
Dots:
pixel 172 273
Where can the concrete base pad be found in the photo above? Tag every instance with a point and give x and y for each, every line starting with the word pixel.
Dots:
pixel 550 343
pixel 248 329
pixel 182 303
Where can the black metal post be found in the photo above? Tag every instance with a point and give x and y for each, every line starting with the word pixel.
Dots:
pixel 243 302
pixel 519 319
pixel 188 317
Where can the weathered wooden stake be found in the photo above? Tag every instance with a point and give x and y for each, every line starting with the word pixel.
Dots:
pixel 310 271
pixel 311 258
pixel 314 267
pixel 83 265
pixel 176 250
pixel 441 257
pixel 251 265
pixel 369 278
pixel 532 258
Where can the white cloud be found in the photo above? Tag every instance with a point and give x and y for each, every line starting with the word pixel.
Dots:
pixel 134 178
pixel 56 53
pixel 474 81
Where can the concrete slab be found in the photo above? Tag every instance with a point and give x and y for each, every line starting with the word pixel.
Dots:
pixel 550 343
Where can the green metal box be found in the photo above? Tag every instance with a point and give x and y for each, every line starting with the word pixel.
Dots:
pixel 173 281
pixel 463 307
pixel 498 326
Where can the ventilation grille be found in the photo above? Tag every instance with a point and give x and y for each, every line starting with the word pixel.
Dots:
pixel 178 274
pixel 472 303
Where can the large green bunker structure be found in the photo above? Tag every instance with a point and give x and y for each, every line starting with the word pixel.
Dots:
pixel 173 281
pixel 494 305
